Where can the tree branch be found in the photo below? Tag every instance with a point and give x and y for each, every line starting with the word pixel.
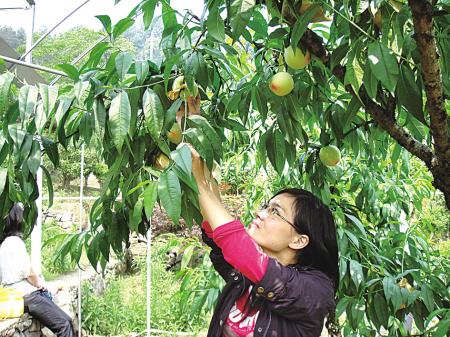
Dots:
pixel 422 12
pixel 439 164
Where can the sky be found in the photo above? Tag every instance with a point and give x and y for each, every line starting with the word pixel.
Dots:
pixel 50 12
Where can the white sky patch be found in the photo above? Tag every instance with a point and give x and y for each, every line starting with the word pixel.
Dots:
pixel 50 12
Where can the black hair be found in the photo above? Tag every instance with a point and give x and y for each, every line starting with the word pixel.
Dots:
pixel 13 222
pixel 313 218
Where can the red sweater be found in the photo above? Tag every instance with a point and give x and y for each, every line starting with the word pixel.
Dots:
pixel 239 249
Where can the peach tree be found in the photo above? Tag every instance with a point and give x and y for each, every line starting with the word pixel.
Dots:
pixel 292 87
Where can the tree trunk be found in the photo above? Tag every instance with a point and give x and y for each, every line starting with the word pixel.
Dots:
pixel 422 12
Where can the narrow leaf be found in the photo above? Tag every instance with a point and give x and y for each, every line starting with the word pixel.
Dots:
pixel 153 112
pixel 169 192
pixel 119 118
pixel 123 63
pixel 383 64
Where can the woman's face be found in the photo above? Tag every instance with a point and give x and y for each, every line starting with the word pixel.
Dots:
pixel 269 230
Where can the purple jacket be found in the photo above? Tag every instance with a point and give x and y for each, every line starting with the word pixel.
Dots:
pixel 296 299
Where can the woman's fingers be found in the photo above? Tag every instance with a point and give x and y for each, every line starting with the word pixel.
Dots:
pixel 193 106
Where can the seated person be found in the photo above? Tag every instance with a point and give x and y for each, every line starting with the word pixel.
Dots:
pixel 17 272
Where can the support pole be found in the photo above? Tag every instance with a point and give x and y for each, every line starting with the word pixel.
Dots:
pixel 149 276
pixel 80 229
pixel 36 234
pixel 32 66
pixel 32 46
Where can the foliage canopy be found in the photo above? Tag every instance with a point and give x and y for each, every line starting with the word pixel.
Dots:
pixel 373 88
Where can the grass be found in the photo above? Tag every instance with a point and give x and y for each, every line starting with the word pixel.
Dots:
pixel 122 308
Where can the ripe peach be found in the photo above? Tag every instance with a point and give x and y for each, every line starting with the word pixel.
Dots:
pixel 281 83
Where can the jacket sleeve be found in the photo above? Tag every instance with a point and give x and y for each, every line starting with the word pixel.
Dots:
pixel 216 256
pixel 304 295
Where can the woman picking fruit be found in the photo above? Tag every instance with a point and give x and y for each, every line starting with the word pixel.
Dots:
pixel 282 272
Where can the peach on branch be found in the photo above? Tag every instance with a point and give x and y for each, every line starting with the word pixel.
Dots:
pixel 281 83
pixel 174 134
pixel 330 155
pixel 162 161
pixel 296 60
pixel 319 15
pixel 180 89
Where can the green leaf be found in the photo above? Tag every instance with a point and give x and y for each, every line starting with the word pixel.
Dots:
pixel 276 150
pixel 94 251
pixel 34 159
pixel 182 158
pixel 99 117
pixel 119 118
pixel 40 118
pixel 169 192
pixel 154 113
pixel 388 286
pixel 123 63
pixel 357 222
pixel 48 178
pixel 210 134
pixel 49 95
pixel 51 150
pixel 201 143
pixel 383 64
pixel 148 9
pixel 5 85
pixel 27 101
pixel 427 297
pixel 70 70
pixel 381 309
pixel 301 25
pixel 121 26
pixel 17 134
pixel 141 69
pixel 356 273
pixel 215 25
pixel 370 82
pixel 136 216
pixel 191 68
pixel 3 178
pixel 240 14
pixel 409 95
pixel 106 22
pixel 150 194
pixel 169 16
pixel 261 101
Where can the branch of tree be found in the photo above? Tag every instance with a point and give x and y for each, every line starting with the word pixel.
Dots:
pixel 422 12
pixel 384 116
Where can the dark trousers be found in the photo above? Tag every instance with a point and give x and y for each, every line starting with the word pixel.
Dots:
pixel 48 313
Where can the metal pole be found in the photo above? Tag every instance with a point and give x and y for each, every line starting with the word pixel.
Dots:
pixel 80 229
pixel 13 8
pixel 149 276
pixel 36 235
pixel 29 49
pixel 33 66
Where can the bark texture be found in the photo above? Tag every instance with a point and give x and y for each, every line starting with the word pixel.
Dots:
pixel 422 12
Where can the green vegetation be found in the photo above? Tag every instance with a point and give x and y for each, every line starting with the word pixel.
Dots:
pixel 364 91
pixel 122 307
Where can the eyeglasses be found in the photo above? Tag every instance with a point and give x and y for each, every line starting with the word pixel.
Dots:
pixel 271 210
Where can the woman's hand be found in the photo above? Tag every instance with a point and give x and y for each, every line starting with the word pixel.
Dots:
pixel 193 105
pixel 199 168
pixel 211 205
